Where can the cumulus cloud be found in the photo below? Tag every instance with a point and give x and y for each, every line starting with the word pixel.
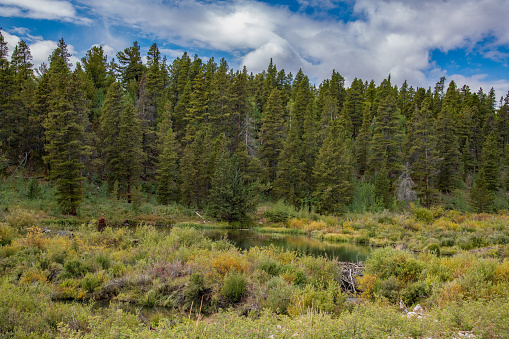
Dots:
pixel 391 37
pixel 39 48
pixel 382 37
pixel 41 9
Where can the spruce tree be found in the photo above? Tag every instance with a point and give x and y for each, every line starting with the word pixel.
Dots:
pixel 291 182
pixel 131 69
pixel 448 167
pixel 353 106
pixel 333 172
pixel 23 97
pixel 271 135
pixel 490 161
pixel 65 132
pixel 231 198
pixel 387 139
pixel 167 169
pixel 362 144
pixel 383 186
pixel 130 150
pixel 422 153
pixel 6 94
pixel 114 104
pixel 481 197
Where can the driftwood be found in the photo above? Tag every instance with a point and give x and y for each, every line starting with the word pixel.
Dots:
pixel 350 272
pixel 198 214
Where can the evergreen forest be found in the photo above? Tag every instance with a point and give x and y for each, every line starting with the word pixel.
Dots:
pixel 203 134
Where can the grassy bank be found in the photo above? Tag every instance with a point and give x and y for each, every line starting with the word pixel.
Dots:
pixel 51 280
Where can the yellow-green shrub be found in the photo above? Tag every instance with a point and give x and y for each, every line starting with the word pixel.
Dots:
pixel 21 218
pixel 6 234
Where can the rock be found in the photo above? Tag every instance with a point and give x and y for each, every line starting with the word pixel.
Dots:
pixel 418 309
pixel 402 307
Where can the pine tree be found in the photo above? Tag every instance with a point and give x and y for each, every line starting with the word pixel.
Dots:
pixel 167 170
pixel 131 69
pixel 130 150
pixel 353 106
pixel 503 120
pixel 271 135
pixel 114 104
pixel 387 139
pixel 449 164
pixel 96 68
pixel 481 197
pixel 6 94
pixel 383 186
pixel 291 182
pixel 422 153
pixel 22 98
pixel 364 140
pixel 197 167
pixel 333 173
pixel 231 198
pixel 65 132
pixel 490 161
pixel 221 113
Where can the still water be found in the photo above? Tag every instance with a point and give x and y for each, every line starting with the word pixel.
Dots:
pixel 247 238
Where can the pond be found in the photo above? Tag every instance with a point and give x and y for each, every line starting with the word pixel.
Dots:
pixel 246 238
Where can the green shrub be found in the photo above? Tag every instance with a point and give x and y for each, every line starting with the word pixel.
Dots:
pixel 447 242
pixel 325 298
pixel 388 289
pixel 415 292
pixel 103 260
pixel 90 282
pixel 424 215
pixel 234 286
pixel 387 262
pixel 194 289
pixel 269 265
pixel 33 190
pixel 75 268
pixel 280 212
pixel 433 248
pixel 6 234
pixel 279 294
pixel 276 216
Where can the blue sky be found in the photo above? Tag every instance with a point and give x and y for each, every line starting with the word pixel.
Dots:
pixel 415 40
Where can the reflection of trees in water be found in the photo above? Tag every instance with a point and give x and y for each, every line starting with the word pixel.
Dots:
pixel 246 238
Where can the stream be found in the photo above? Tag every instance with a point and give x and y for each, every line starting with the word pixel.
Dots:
pixel 246 238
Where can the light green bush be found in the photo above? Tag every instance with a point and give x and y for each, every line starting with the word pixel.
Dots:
pixel 6 234
pixel 90 282
pixel 424 215
pixel 234 286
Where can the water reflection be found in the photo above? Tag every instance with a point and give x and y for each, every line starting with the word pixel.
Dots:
pixel 245 239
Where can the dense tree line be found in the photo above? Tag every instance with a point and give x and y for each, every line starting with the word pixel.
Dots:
pixel 203 134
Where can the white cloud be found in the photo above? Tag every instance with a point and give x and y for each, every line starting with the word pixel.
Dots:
pixel 40 49
pixel 41 9
pixel 385 37
pixel 320 4
pixel 393 37
pixel 478 81
pixel 12 41
pixel 20 30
